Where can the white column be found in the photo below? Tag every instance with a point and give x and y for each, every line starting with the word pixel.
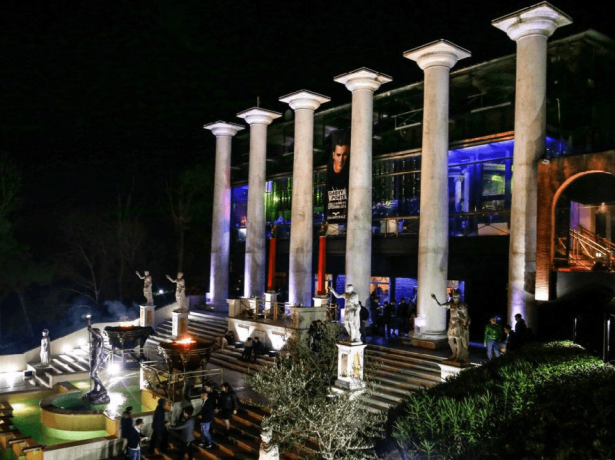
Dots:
pixel 362 82
pixel 436 59
pixel 301 277
pixel 221 215
pixel 255 273
pixel 530 28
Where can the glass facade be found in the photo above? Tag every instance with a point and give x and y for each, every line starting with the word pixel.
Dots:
pixel 480 188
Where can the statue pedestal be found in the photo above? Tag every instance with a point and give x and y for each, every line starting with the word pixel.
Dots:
pixel 180 323
pixel 270 299
pixel 450 369
pixel 147 315
pixel 350 360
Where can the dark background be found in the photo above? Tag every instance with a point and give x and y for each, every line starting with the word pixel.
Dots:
pixel 102 106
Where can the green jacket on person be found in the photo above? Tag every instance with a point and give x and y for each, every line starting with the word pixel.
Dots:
pixel 494 332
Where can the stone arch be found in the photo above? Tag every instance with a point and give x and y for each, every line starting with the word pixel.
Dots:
pixel 554 177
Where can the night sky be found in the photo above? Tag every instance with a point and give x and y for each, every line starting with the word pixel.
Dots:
pixel 96 95
pixel 99 97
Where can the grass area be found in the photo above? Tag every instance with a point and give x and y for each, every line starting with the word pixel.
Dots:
pixel 550 401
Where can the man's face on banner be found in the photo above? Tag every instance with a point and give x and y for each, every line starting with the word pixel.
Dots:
pixel 340 157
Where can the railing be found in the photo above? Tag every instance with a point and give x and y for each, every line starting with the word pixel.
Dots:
pixel 588 249
pixel 173 385
pixel 486 223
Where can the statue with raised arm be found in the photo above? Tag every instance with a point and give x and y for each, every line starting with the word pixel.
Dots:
pixel 45 348
pixel 98 395
pixel 352 320
pixel 458 327
pixel 180 291
pixel 147 287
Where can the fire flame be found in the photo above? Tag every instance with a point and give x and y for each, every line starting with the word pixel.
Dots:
pixel 126 324
pixel 186 341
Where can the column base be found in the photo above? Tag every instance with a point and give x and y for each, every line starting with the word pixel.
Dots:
pixel 429 341
pixel 321 301
pixel 449 369
pixel 270 299
pixel 180 323
pixel 146 318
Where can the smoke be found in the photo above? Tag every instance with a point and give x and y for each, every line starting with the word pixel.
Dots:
pixel 117 311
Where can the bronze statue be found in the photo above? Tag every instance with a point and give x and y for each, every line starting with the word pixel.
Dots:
pixel 98 395
pixel 458 327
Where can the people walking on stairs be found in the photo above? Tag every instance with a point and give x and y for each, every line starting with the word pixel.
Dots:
pixel 227 405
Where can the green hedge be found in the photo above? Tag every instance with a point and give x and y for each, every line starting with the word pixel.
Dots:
pixel 545 401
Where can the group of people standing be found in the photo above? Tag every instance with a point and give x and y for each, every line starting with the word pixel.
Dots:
pixel 497 335
pixel 389 318
pixel 224 403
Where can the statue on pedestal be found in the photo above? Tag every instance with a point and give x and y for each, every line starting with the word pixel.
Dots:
pixel 352 320
pixel 147 287
pixel 268 451
pixel 98 395
pixel 180 291
pixel 45 348
pixel 458 327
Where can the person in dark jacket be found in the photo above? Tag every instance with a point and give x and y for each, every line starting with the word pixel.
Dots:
pixel 227 405
pixel 402 316
pixel 126 425
pixel 248 347
pixel 160 435
pixel 209 402
pixel 520 328
pixel 185 433
pixel 512 341
pixel 258 349
pixel 388 314
pixel 134 437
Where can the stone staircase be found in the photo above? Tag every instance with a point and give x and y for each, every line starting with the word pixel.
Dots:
pixel 242 442
pixel 200 325
pixel 397 372
pixel 73 364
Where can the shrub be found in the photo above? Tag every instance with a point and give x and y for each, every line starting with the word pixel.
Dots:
pixel 538 402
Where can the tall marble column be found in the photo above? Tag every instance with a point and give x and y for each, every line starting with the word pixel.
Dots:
pixel 435 59
pixel 221 215
pixel 362 82
pixel 255 273
pixel 302 221
pixel 530 28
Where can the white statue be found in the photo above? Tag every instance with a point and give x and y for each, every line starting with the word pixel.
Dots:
pixel 147 287
pixel 180 291
pixel 268 451
pixel 45 348
pixel 352 319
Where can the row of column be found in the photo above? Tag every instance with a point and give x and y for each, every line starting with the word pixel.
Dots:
pixel 530 28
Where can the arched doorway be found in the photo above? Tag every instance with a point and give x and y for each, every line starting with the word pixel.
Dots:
pixel 583 227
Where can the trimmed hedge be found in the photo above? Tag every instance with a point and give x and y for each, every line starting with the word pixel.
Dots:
pixel 545 401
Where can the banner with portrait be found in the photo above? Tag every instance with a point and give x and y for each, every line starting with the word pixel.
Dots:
pixel 338 160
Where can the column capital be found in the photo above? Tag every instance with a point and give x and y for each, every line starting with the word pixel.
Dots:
pixel 540 19
pixel 304 99
pixel 439 53
pixel 363 78
pixel 222 128
pixel 258 116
